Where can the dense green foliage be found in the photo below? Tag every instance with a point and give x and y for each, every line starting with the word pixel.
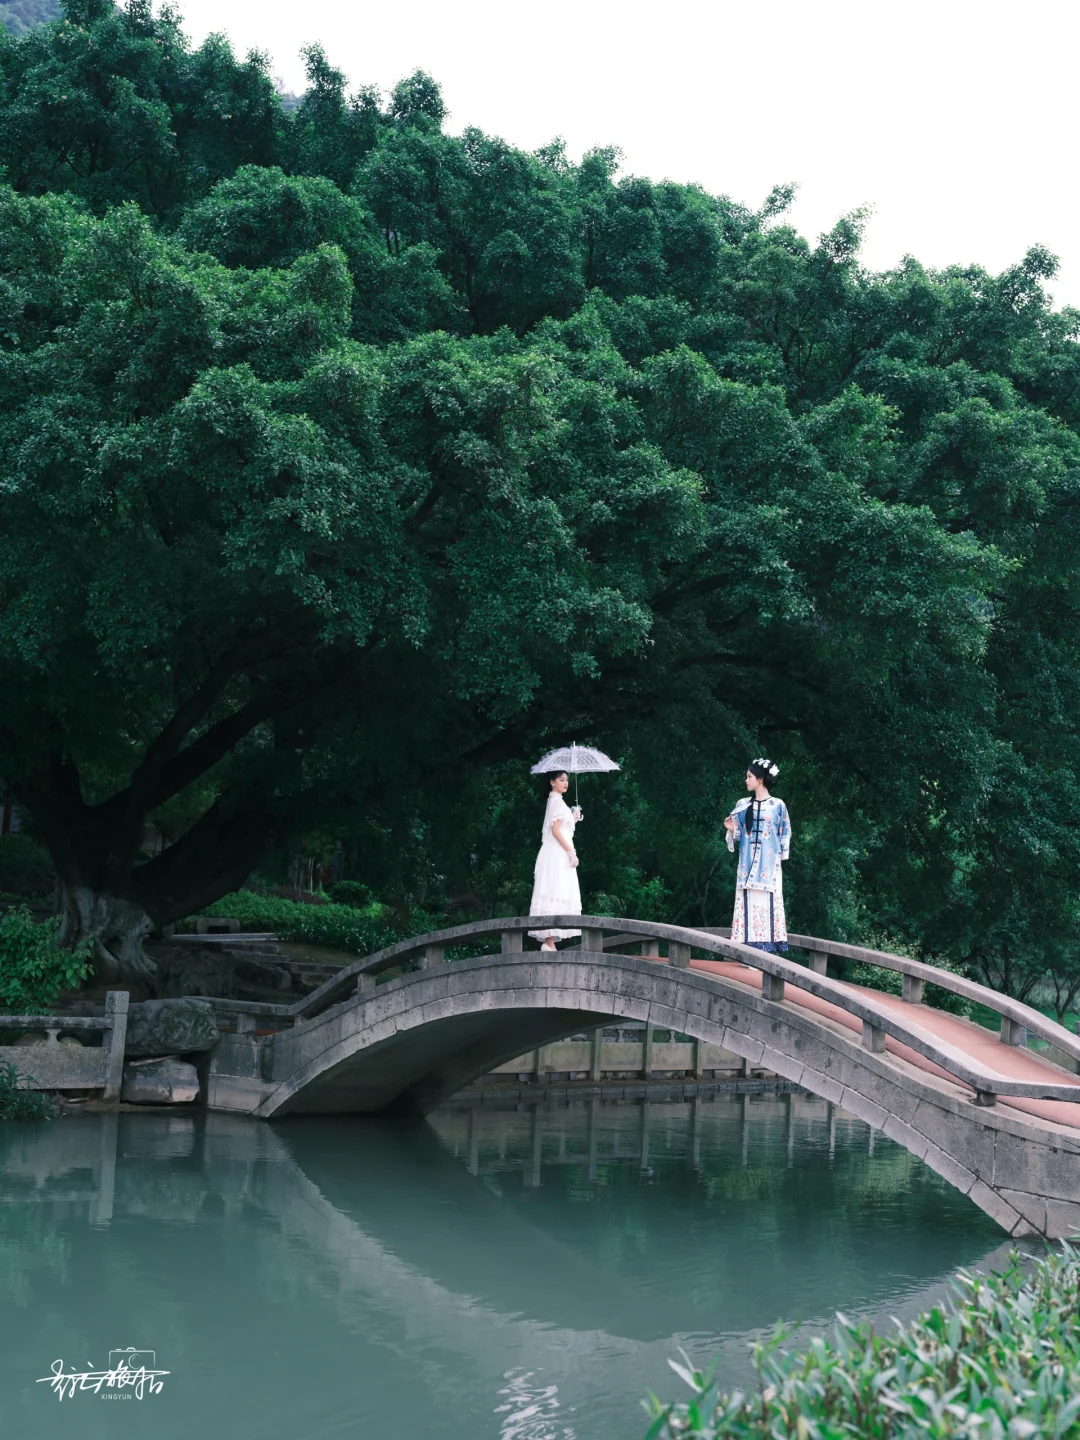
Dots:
pixel 1003 1359
pixel 34 969
pixel 338 927
pixel 17 1103
pixel 379 458
pixel 891 982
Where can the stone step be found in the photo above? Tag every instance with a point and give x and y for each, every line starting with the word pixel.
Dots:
pixel 240 937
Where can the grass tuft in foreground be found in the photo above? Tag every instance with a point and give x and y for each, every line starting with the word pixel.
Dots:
pixel 1001 1360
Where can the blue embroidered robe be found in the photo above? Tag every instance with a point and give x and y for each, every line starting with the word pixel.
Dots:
pixel 760 859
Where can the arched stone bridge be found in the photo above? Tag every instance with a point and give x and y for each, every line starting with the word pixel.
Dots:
pixel 998 1121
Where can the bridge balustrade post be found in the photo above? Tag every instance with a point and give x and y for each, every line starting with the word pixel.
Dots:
pixel 678 954
pixel 474 1142
pixel 789 1130
pixel 101 1207
pixel 772 987
pixel 595 1062
pixel 650 949
pixel 433 955
pixel 532 1175
pixel 513 942
pixel 593 940
pixel 873 1038
pixel 245 1024
pixel 819 962
pixel 116 1011
pixel 365 985
pixel 744 1127
pixel 913 990
pixel 985 1098
pixel 646 1053
pixel 1012 1032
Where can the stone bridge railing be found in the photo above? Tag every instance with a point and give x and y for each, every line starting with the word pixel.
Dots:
pixel 1017 1019
pixel 53 1066
pixel 682 943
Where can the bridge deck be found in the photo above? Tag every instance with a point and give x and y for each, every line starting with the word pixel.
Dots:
pixel 1010 1062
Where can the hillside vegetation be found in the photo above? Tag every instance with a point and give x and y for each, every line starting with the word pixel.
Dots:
pixel 21 15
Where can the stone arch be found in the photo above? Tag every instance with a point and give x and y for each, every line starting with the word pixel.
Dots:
pixel 423 1036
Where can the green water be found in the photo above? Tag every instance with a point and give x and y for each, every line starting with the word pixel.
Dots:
pixel 484 1275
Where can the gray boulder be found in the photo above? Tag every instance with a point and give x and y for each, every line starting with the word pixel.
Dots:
pixel 194 970
pixel 230 971
pixel 169 1081
pixel 170 1027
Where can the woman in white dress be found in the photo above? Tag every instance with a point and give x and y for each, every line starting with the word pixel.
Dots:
pixel 555 878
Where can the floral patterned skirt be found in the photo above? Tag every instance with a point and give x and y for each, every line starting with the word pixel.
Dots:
pixel 759 920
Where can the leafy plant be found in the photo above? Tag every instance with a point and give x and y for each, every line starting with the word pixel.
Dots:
pixel 352 892
pixel 338 927
pixel 17 1103
pixel 34 969
pixel 892 983
pixel 1002 1359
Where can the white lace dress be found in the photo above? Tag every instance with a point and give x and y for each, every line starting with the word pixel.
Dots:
pixel 555 881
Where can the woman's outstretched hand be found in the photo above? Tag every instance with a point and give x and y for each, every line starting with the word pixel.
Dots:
pixel 573 860
pixel 729 823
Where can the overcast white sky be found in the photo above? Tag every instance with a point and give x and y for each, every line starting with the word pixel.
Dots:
pixel 955 120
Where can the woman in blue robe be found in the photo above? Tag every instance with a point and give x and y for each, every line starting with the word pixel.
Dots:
pixel 761 827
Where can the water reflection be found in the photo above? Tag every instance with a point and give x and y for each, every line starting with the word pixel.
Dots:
pixel 520 1274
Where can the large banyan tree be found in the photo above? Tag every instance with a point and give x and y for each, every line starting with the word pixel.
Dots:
pixel 337 449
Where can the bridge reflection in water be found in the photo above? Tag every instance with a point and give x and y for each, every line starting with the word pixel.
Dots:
pixel 401 1031
pixel 518 1275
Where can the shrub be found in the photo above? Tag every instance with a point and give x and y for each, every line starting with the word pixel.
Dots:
pixel 636 896
pixel 352 892
pixel 1002 1359
pixel 19 1104
pixel 25 867
pixel 891 982
pixel 33 967
pixel 339 927
pixel 336 927
pixel 302 897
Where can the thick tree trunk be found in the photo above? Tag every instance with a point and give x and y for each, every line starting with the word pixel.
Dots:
pixel 112 896
pixel 117 928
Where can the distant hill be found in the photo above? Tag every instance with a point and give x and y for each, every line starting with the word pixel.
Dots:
pixel 22 15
